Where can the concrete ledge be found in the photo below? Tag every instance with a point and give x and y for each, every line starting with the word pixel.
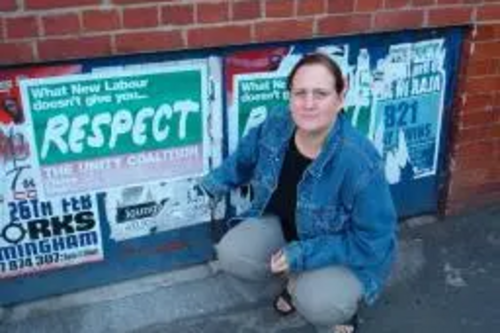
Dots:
pixel 108 293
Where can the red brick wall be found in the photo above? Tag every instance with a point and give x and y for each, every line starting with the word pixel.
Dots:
pixel 44 30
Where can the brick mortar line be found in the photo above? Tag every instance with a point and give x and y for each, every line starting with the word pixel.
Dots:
pixel 21 12
pixel 184 28
pixel 106 5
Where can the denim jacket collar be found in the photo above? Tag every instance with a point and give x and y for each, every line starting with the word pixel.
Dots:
pixel 279 137
pixel 330 147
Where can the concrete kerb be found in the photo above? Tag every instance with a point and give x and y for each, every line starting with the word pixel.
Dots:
pixel 112 292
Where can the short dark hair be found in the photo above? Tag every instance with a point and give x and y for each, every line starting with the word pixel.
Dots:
pixel 318 58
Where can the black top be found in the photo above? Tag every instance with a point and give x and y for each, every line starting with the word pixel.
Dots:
pixel 284 199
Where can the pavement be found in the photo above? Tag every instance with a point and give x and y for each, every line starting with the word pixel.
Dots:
pixel 447 279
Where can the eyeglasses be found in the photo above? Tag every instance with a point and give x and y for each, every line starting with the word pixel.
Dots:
pixel 317 94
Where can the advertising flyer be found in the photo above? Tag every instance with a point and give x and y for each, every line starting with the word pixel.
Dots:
pixel 255 96
pixel 96 131
pixel 47 235
pixel 142 210
pixel 408 108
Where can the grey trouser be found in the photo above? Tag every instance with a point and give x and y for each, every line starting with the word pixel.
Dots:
pixel 325 297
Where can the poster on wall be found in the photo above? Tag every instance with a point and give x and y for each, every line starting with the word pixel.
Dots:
pixel 142 210
pixel 50 234
pixel 100 130
pixel 408 107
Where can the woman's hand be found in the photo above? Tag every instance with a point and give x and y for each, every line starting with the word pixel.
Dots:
pixel 279 263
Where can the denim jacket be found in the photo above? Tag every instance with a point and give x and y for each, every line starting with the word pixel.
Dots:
pixel 344 211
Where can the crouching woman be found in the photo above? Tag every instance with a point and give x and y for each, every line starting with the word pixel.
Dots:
pixel 321 218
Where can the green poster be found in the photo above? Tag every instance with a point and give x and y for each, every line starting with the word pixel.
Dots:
pixel 256 95
pixel 116 125
pixel 92 116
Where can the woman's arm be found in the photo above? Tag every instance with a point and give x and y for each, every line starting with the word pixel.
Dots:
pixel 237 169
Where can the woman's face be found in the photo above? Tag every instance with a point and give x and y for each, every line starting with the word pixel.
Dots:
pixel 314 103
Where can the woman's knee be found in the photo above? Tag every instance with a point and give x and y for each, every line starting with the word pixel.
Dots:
pixel 245 250
pixel 327 297
pixel 236 259
pixel 323 313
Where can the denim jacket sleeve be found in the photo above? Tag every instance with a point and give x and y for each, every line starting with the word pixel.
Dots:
pixel 368 241
pixel 237 169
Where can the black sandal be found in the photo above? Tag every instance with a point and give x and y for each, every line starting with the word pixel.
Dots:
pixel 284 298
pixel 351 326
